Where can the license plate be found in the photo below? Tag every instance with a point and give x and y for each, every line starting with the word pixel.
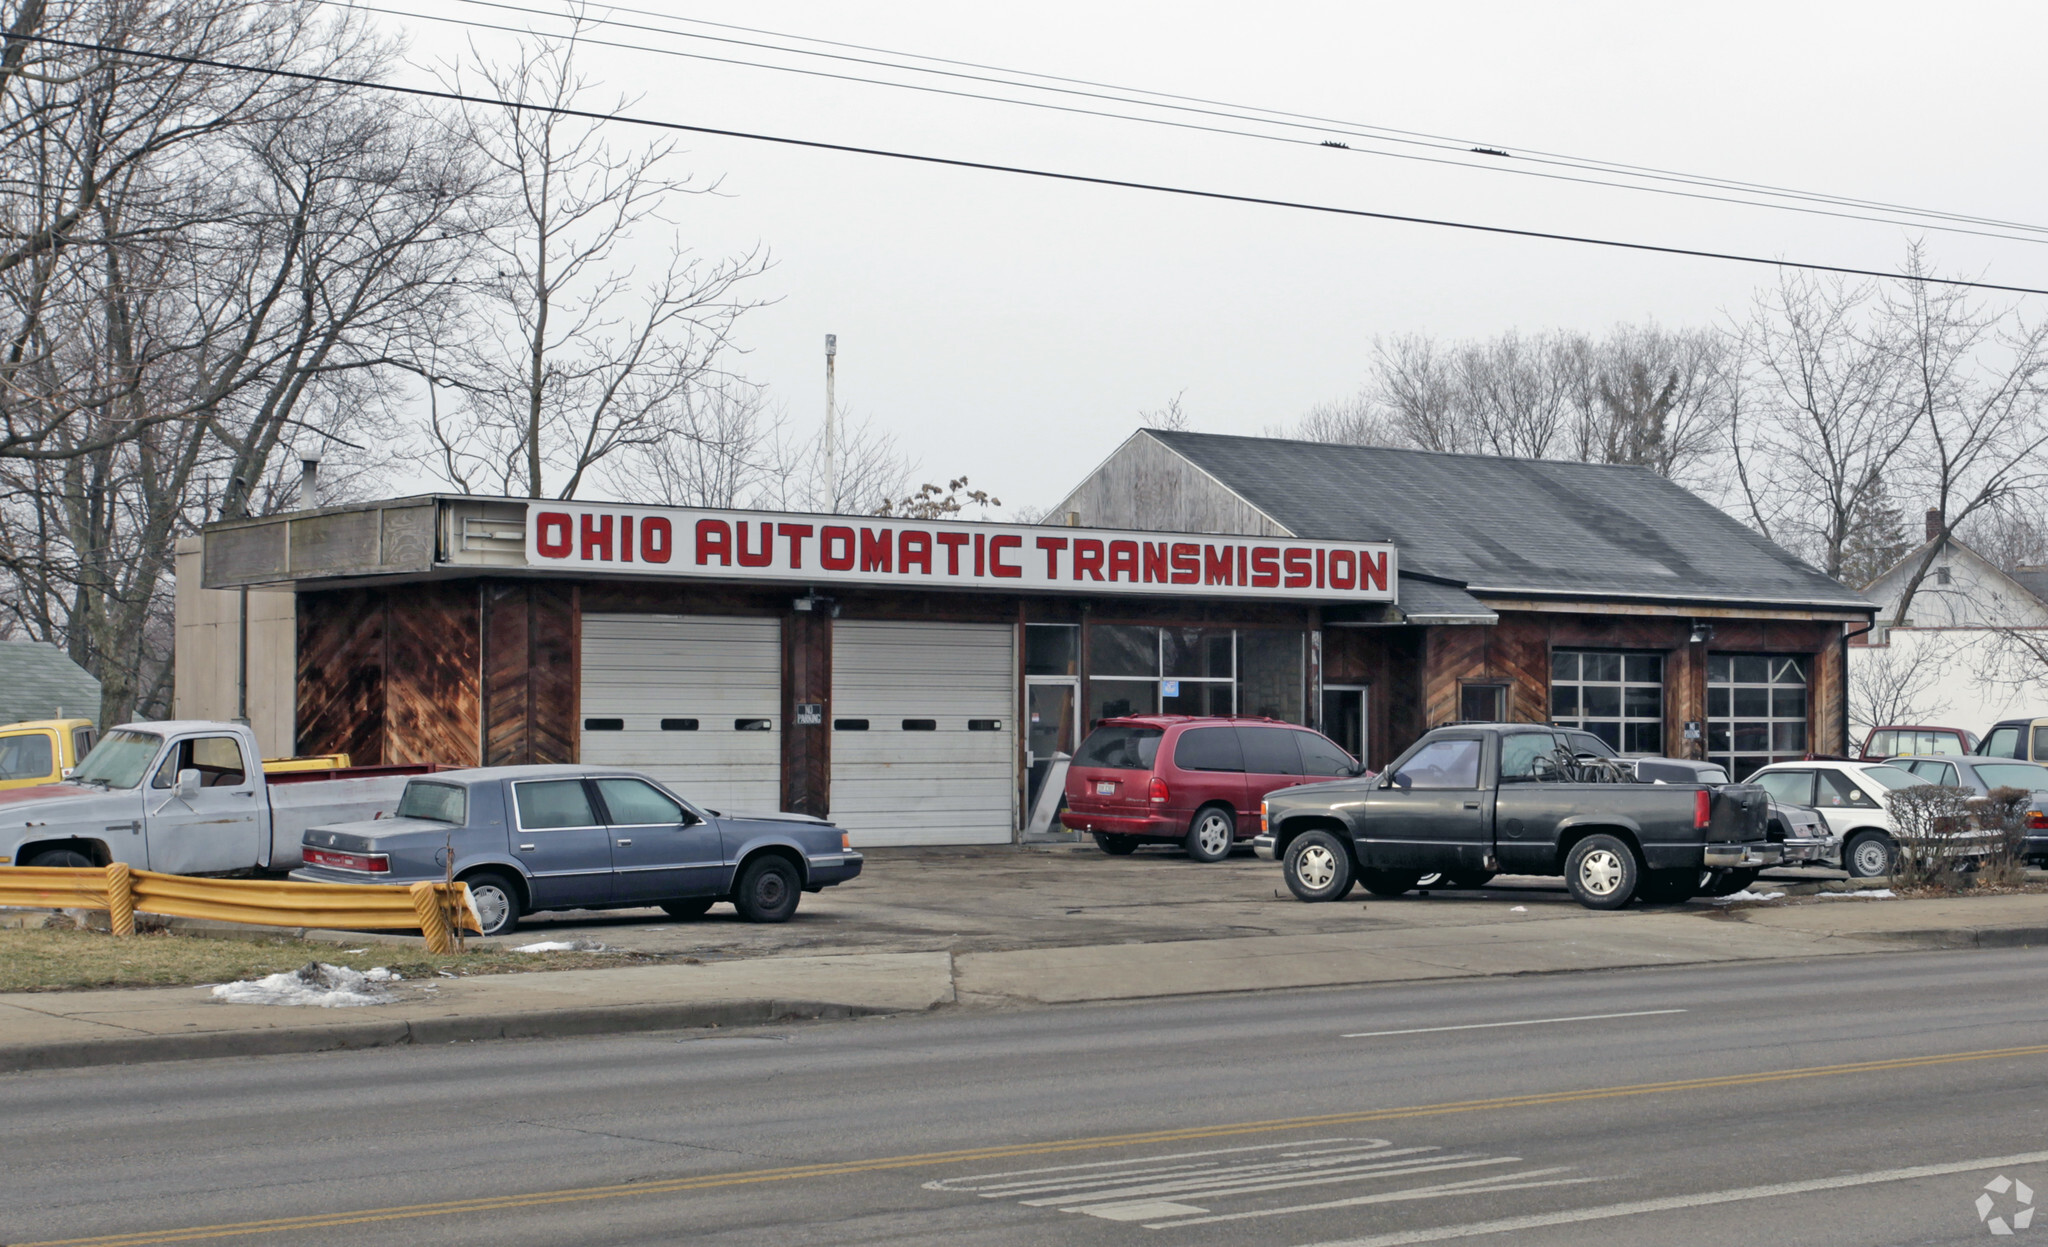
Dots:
pixel 1105 787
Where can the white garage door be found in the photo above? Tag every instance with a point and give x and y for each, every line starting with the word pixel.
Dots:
pixel 923 732
pixel 693 700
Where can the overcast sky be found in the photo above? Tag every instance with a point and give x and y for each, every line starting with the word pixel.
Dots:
pixel 1012 329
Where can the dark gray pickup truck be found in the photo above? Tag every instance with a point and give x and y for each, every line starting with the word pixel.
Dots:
pixel 1471 801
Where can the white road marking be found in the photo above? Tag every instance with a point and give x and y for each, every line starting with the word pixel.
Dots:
pixel 1470 1186
pixel 1480 1026
pixel 1300 1148
pixel 1509 1225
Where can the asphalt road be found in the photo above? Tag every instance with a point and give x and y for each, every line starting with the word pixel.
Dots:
pixel 1860 1102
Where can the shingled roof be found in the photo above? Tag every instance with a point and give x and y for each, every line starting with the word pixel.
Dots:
pixel 38 680
pixel 1514 526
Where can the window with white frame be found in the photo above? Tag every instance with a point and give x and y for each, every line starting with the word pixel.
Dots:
pixel 1756 710
pixel 1617 697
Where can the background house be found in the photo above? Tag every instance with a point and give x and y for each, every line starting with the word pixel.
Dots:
pixel 39 681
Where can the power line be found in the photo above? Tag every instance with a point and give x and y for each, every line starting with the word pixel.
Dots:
pixel 1291 119
pixel 1053 175
pixel 1161 121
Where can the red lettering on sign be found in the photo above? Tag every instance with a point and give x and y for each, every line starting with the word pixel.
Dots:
pixel 1123 557
pixel 914 547
pixel 1343 569
pixel 551 537
pixel 597 538
pixel 1372 570
pixel 1155 562
pixel 714 540
pixel 625 539
pixel 757 558
pixel 1299 575
pixel 980 551
pixel 1241 577
pixel 1265 567
pixel 1319 569
pixel 841 559
pixel 953 542
pixel 1186 558
pixel 796 534
pixel 1087 557
pixel 996 546
pixel 657 539
pixel 876 550
pixel 1217 563
pixel 1052 547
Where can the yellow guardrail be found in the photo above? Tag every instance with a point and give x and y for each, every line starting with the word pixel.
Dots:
pixel 437 909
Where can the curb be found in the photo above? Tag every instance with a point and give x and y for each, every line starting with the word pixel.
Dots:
pixel 1940 939
pixel 553 1024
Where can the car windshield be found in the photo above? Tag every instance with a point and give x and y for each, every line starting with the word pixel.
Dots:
pixel 440 803
pixel 1120 748
pixel 2013 775
pixel 119 760
pixel 1893 777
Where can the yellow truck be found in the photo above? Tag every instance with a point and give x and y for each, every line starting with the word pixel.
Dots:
pixel 43 751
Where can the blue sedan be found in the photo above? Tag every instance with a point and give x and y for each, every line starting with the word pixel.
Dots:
pixel 527 838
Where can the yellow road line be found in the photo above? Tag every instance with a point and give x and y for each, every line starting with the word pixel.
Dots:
pixel 499 1203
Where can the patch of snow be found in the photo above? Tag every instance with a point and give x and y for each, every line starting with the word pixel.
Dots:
pixel 1747 895
pixel 355 950
pixel 1872 894
pixel 1519 909
pixel 317 984
pixel 561 946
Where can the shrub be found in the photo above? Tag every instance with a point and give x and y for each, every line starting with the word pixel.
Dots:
pixel 1935 827
pixel 2004 815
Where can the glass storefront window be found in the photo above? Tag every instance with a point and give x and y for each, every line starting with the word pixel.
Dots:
pixel 1123 649
pixel 1052 649
pixel 1139 669
pixel 1271 674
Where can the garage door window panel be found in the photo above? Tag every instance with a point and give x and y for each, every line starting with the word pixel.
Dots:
pixel 1757 710
pixel 1618 697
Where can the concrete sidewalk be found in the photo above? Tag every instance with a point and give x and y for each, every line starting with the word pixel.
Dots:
pixel 1406 940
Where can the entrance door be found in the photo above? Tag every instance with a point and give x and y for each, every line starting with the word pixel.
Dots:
pixel 1053 717
pixel 924 722
pixel 1344 718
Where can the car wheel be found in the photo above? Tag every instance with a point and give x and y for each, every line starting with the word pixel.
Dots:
pixel 1467 878
pixel 1211 835
pixel 768 890
pixel 496 899
pixel 71 858
pixel 1116 846
pixel 1869 855
pixel 1434 879
pixel 1389 882
pixel 1729 882
pixel 688 907
pixel 1318 867
pixel 1602 872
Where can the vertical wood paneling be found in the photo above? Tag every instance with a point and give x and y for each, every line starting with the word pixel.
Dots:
pixel 807 676
pixel 341 674
pixel 531 658
pixel 507 632
pixel 432 698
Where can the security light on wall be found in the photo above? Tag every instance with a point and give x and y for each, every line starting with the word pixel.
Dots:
pixel 1701 632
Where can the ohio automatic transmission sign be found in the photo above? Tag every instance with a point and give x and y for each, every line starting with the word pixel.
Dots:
pixel 837 549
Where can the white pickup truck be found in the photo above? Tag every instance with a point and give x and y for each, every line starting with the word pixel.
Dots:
pixel 185 798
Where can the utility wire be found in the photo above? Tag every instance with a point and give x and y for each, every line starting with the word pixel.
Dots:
pixel 357 6
pixel 1051 175
pixel 1268 116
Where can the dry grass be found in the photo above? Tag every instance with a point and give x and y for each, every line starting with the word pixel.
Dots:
pixel 48 961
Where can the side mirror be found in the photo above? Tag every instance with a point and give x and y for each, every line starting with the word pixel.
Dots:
pixel 187 786
pixel 1399 779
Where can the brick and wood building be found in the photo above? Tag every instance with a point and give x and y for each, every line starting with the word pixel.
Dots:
pixel 915 680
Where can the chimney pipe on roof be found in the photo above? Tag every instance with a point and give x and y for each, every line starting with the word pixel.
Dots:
pixel 309 479
pixel 1933 523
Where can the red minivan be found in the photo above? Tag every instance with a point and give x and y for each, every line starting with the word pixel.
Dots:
pixel 1191 780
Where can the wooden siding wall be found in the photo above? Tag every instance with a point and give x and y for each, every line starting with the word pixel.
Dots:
pixel 1391 661
pixel 390 677
pixel 1146 486
pixel 807 676
pixel 533 656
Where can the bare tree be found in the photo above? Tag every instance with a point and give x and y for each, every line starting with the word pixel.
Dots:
pixel 1172 417
pixel 1898 682
pixel 1975 385
pixel 591 354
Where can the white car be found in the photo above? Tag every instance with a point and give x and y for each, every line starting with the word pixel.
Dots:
pixel 1851 797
